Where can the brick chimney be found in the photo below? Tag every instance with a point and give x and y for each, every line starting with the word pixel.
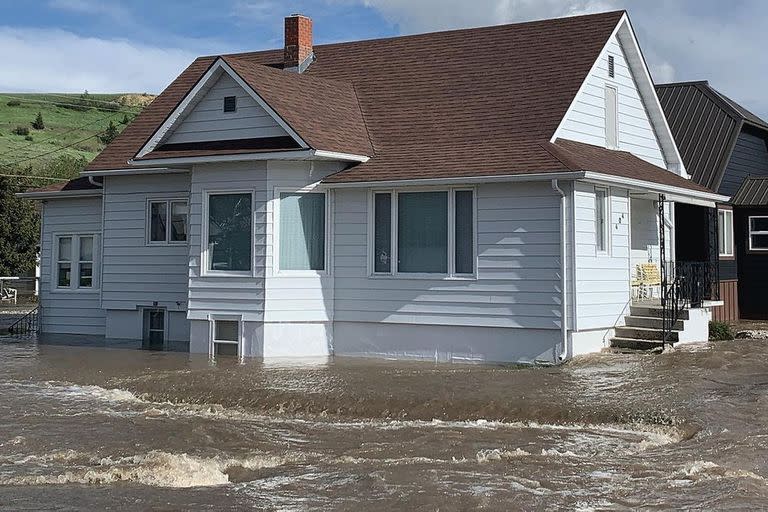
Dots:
pixel 298 54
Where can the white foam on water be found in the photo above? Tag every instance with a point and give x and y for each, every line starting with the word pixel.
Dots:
pixel 155 468
pixel 554 452
pixel 497 454
pixel 707 470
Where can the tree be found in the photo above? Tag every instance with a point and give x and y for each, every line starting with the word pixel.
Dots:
pixel 125 120
pixel 19 230
pixel 38 123
pixel 109 134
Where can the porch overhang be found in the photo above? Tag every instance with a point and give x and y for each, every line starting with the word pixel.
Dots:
pixel 671 192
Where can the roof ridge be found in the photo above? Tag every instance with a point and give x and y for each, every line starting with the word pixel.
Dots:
pixel 542 21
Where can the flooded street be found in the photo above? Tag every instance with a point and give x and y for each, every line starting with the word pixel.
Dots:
pixel 93 428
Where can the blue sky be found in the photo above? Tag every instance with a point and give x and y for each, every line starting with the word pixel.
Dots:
pixel 141 45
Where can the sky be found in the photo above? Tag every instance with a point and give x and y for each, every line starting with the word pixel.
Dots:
pixel 141 45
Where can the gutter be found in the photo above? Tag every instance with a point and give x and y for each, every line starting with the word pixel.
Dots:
pixel 563 355
pixel 462 180
pixel 65 194
pixel 301 154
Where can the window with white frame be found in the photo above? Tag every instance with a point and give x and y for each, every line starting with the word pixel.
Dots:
pixel 725 232
pixel 302 231
pixel 167 221
pixel 75 262
pixel 601 219
pixel 154 325
pixel 758 233
pixel 225 337
pixel 424 232
pixel 229 232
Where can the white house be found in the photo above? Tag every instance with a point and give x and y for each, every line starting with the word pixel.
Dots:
pixel 481 194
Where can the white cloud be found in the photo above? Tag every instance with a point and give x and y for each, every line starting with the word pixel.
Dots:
pixel 43 60
pixel 111 10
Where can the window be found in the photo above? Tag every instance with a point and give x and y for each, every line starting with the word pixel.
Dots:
pixel 226 338
pixel 758 233
pixel 725 232
pixel 161 231
pixel 302 231
pixel 611 117
pixel 230 103
pixel 430 232
pixel 75 261
pixel 601 219
pixel 611 66
pixel 229 235
pixel 154 326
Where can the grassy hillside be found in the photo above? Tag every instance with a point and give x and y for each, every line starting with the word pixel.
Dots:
pixel 73 124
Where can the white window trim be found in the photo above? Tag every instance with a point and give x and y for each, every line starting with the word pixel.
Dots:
pixel 751 233
pixel 393 271
pixel 144 309
pixel 726 213
pixel 204 257
pixel 616 111
pixel 74 282
pixel 275 209
pixel 607 227
pixel 148 224
pixel 212 341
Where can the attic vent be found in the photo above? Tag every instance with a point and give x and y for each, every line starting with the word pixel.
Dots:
pixel 611 69
pixel 230 103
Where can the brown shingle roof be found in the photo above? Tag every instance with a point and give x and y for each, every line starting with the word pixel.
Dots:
pixel 498 88
pixel 76 184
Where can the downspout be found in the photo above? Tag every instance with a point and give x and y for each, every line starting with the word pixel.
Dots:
pixel 95 183
pixel 563 271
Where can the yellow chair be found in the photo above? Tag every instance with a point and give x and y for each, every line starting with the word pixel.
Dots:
pixel 647 278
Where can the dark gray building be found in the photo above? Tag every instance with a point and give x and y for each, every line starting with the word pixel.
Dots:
pixel 724 147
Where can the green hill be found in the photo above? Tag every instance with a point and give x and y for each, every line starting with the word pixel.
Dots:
pixel 74 125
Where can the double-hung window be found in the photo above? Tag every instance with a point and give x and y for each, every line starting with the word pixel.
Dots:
pixel 302 232
pixel 758 233
pixel 725 232
pixel 167 221
pixel 225 336
pixel 75 257
pixel 229 233
pixel 601 220
pixel 424 232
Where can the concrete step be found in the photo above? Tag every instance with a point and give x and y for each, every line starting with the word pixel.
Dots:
pixel 650 321
pixel 645 333
pixel 653 311
pixel 631 344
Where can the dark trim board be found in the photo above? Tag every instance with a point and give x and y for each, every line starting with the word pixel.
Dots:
pixel 729 294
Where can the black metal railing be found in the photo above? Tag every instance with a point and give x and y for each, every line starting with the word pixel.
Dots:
pixel 26 325
pixel 699 281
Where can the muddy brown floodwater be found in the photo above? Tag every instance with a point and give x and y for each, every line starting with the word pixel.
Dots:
pixel 94 428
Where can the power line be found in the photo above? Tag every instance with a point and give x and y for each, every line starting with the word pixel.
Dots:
pixel 32 177
pixel 89 98
pixel 14 164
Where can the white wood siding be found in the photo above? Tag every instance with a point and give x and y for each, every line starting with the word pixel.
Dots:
pixel 586 121
pixel 518 278
pixel 69 312
pixel 134 273
pixel 207 121
pixel 296 298
pixel 218 294
pixel 602 280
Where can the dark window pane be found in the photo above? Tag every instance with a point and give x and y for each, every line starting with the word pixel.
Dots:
pixel 465 226
pixel 157 319
pixel 179 212
pixel 226 330
pixel 229 232
pixel 86 275
pixel 382 247
pixel 65 270
pixel 759 223
pixel 158 219
pixel 225 349
pixel 302 231
pixel 156 336
pixel 422 240
pixel 759 241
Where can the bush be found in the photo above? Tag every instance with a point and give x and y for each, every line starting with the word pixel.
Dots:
pixel 14 103
pixel 20 130
pixel 125 120
pixel 720 331
pixel 29 138
pixel 38 123
pixel 109 134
